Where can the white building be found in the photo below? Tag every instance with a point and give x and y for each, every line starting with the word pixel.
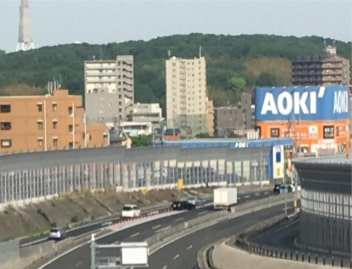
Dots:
pixel 136 128
pixel 109 89
pixel 147 113
pixel 186 95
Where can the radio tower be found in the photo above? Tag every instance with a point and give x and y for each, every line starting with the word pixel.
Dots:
pixel 25 41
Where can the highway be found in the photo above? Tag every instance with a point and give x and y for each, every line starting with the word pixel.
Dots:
pixel 183 252
pixel 80 257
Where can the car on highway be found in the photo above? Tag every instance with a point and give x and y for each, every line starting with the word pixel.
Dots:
pixel 182 205
pixel 194 200
pixel 130 211
pixel 283 188
pixel 56 233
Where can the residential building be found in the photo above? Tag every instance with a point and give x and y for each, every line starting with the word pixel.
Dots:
pixel 51 122
pixel 186 96
pixel 233 119
pixel 135 128
pixel 109 90
pixel 147 113
pixel 328 69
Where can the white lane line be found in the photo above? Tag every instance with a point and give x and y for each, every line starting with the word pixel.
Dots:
pixel 78 264
pixel 266 192
pixel 176 257
pixel 257 194
pixel 247 196
pixel 134 235
pixel 164 267
pixel 189 247
pixel 202 213
pixel 156 226
pixel 162 229
pixel 179 219
pixel 239 198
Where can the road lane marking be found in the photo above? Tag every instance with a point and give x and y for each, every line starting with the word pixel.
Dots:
pixel 163 229
pixel 134 235
pixel 164 267
pixel 189 247
pixel 179 219
pixel 176 257
pixel 156 226
pixel 78 264
pixel 247 196
pixel 202 213
pixel 266 192
pixel 257 194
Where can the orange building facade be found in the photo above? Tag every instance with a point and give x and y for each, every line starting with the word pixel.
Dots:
pixel 315 117
pixel 51 122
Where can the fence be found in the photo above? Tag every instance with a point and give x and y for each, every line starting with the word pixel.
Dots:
pixel 33 176
pixel 294 255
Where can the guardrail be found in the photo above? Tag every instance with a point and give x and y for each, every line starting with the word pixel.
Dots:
pixel 293 255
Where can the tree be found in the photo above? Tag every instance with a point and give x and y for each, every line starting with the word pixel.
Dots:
pixel 266 80
pixel 141 140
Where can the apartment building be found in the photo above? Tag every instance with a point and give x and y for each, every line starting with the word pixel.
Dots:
pixel 230 119
pixel 328 69
pixel 187 103
pixel 51 122
pixel 109 90
pixel 147 113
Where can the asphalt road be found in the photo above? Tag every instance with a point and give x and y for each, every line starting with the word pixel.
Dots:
pixel 80 257
pixel 183 252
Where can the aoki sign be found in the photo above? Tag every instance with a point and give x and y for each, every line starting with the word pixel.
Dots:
pixel 302 103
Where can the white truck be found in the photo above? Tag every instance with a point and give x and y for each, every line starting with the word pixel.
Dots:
pixel 224 198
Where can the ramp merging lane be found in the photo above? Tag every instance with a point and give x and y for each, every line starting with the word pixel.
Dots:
pixel 79 258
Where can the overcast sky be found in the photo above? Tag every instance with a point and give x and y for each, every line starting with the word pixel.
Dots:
pixel 102 21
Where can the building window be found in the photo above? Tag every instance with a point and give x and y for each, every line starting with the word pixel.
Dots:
pixel 39 107
pixel 54 107
pixel 70 128
pixel 40 142
pixel 40 125
pixel 55 142
pixel 54 124
pixel 70 145
pixel 70 110
pixel 6 143
pixel 83 135
pixel 328 131
pixel 105 137
pixel 5 126
pixel 275 132
pixel 5 108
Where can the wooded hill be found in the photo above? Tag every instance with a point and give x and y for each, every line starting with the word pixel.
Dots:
pixel 234 63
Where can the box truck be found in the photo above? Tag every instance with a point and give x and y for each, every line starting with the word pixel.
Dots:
pixel 224 198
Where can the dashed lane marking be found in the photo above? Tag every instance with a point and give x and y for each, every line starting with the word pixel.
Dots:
pixel 78 264
pixel 156 226
pixel 189 247
pixel 134 235
pixel 176 256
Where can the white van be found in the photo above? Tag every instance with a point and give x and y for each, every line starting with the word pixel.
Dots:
pixel 130 211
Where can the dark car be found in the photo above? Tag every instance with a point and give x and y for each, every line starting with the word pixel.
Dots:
pixel 277 188
pixel 182 205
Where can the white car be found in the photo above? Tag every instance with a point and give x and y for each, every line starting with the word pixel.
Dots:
pixel 193 200
pixel 56 234
pixel 130 211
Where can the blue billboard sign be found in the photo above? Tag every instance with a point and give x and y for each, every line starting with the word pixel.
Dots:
pixel 302 103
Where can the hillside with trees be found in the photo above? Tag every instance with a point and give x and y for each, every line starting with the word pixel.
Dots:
pixel 234 63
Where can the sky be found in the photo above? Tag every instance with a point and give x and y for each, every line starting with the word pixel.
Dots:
pixel 56 22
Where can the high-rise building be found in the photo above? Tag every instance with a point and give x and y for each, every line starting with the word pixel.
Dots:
pixel 186 95
pixel 25 40
pixel 328 69
pixel 109 90
pixel 51 122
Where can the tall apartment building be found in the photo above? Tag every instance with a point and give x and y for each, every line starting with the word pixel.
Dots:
pixel 329 69
pixel 51 122
pixel 186 95
pixel 109 90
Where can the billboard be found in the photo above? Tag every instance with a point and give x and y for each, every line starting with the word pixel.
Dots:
pixel 302 103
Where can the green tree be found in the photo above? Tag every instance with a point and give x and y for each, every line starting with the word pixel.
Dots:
pixel 266 80
pixel 141 140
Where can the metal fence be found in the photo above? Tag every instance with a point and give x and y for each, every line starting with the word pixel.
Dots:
pixel 28 177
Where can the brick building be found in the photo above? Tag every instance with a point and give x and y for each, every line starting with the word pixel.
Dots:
pixel 51 122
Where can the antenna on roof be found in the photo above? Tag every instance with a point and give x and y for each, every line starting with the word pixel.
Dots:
pixel 324 42
pixel 169 53
pixel 200 51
